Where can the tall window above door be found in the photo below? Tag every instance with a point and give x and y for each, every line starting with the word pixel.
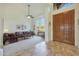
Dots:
pixel 57 6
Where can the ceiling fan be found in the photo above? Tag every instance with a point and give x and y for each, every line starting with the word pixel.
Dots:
pixel 29 16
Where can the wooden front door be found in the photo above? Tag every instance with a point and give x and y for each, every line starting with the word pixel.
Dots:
pixel 63 27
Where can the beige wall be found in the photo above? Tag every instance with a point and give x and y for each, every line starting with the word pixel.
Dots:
pixel 77 25
pixel 1 32
pixel 1 24
pixel 48 27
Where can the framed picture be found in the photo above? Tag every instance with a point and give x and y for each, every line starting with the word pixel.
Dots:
pixel 20 27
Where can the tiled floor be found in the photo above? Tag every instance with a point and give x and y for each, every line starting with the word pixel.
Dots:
pixel 50 49
pixel 11 49
pixel 1 51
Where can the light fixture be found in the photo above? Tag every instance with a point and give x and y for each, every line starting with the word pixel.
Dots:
pixel 29 16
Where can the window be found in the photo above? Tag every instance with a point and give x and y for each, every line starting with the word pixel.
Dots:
pixel 66 5
pixel 40 24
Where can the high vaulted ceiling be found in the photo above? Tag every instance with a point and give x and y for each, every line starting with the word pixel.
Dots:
pixel 35 9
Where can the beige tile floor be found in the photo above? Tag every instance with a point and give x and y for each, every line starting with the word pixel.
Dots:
pixel 50 49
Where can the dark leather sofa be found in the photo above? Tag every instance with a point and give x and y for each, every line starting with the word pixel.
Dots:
pixel 14 37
